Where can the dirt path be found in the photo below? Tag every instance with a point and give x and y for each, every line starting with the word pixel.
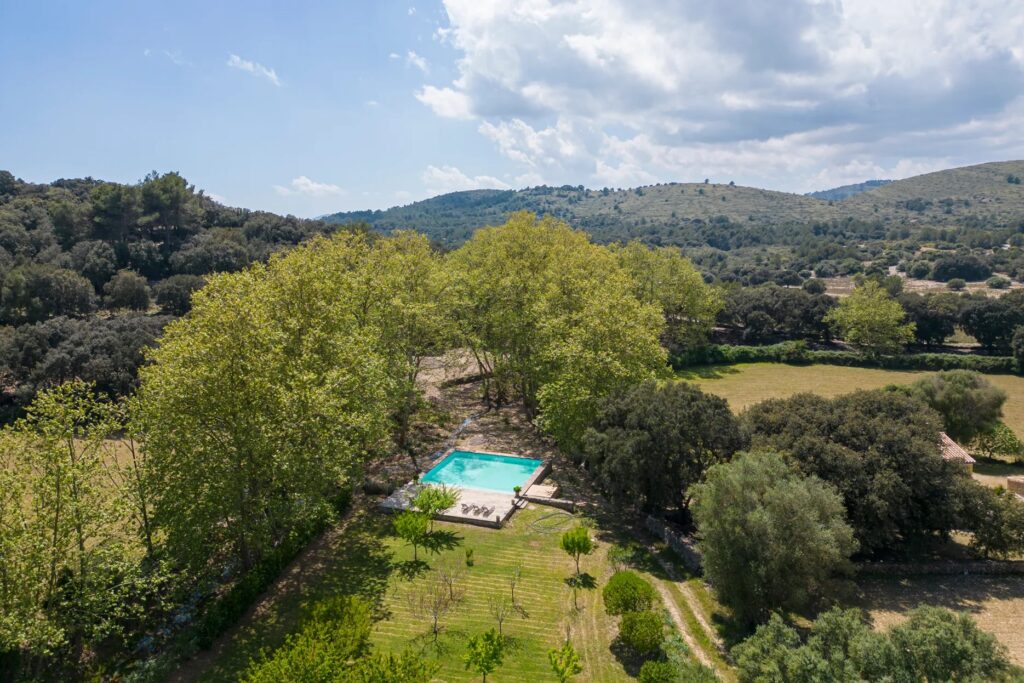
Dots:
pixel 677 617
pixel 698 613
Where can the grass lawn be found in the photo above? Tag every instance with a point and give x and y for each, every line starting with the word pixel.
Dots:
pixel 748 383
pixel 366 559
pixel 995 602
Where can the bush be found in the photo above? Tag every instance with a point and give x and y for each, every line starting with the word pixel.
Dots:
pixel 642 632
pixel 627 591
pixel 956 284
pixel 998 282
pixel 658 672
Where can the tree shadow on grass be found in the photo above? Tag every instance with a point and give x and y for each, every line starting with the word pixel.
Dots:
pixel 411 569
pixel 441 540
pixel 582 581
pixel 629 659
pixel 705 372
pixel 354 560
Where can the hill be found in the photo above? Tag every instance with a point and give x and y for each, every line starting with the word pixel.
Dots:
pixel 844 191
pixel 674 213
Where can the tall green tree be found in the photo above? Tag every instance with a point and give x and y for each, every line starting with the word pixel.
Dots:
pixel 266 398
pixel 664 277
pixel 554 320
pixel 771 538
pixel 968 403
pixel 871 319
pixel 649 444
pixel 485 653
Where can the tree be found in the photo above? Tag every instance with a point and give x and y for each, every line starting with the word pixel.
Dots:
pixel 411 527
pixel 269 396
pixel 553 320
pixel 934 644
pixel 649 444
pixel 433 500
pixel 870 319
pixel 500 606
pixel 879 449
pixel 992 321
pixel 127 290
pixel 934 316
pixel 627 591
pixel 1000 441
pixel 1017 347
pixel 565 662
pixel 485 653
pixel 968 403
pixel 995 518
pixel 174 294
pixel 576 542
pixel 770 537
pixel 957 284
pixel 664 277
pixel 432 599
pixel 642 632
pixel 95 260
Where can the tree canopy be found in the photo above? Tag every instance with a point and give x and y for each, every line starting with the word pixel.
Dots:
pixel 651 443
pixel 771 538
pixel 872 320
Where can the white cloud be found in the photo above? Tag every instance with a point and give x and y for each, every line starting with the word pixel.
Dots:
pixel 412 11
pixel 413 59
pixel 394 55
pixel 790 94
pixel 446 102
pixel 310 188
pixel 255 68
pixel 176 58
pixel 372 103
pixel 443 179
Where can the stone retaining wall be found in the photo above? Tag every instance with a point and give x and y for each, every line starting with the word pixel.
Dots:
pixel 990 567
pixel 683 547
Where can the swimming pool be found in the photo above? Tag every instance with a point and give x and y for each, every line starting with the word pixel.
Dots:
pixel 486 471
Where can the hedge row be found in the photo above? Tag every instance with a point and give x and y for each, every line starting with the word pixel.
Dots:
pixel 796 352
pixel 226 610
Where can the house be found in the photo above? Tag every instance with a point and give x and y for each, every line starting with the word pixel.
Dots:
pixel 951 450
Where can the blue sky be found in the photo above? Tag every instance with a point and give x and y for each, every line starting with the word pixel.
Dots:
pixel 312 107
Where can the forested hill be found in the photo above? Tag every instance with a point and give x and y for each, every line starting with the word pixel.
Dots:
pixel 90 272
pixel 680 213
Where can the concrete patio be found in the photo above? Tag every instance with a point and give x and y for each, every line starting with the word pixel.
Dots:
pixel 475 506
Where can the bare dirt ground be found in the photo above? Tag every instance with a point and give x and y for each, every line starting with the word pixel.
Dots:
pixel 995 602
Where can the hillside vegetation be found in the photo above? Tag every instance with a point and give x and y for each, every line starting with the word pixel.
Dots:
pixel 666 212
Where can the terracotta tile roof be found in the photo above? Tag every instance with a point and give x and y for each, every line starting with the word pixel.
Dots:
pixel 951 450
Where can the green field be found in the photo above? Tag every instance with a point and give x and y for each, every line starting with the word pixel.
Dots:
pixel 748 383
pixel 366 559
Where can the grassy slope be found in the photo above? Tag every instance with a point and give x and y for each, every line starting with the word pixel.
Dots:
pixel 452 217
pixel 367 560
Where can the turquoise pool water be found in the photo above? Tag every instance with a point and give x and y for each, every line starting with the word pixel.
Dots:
pixel 481 471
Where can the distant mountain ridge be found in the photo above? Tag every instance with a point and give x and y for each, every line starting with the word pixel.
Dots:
pixel 670 212
pixel 844 191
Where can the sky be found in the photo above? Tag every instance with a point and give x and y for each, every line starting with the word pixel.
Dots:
pixel 311 107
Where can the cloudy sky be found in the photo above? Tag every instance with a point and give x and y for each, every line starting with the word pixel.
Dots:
pixel 312 107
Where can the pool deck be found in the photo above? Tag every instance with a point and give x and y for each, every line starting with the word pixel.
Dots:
pixel 475 506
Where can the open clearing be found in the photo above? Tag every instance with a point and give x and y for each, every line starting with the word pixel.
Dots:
pixel 366 559
pixel 748 383
pixel 995 602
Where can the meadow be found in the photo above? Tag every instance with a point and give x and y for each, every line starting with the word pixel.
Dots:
pixel 745 384
pixel 363 557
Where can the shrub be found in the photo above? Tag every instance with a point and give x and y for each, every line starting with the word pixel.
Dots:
pixel 642 632
pixel 968 403
pixel 658 672
pixel 627 591
pixel 998 282
pixel 956 284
